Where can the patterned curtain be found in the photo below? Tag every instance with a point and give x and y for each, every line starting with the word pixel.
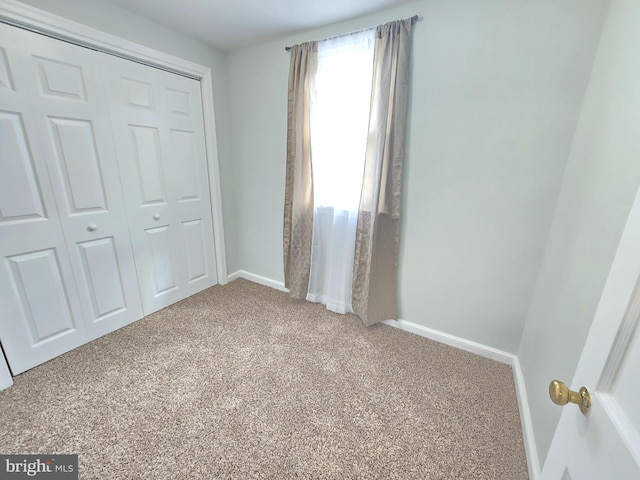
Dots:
pixel 377 237
pixel 298 204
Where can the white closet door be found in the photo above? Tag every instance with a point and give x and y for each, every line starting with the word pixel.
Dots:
pixel 73 123
pixel 68 274
pixel 158 128
pixel 40 315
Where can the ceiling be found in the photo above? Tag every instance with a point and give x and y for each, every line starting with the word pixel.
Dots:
pixel 232 24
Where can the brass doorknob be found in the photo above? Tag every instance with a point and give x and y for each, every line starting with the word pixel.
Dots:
pixel 561 395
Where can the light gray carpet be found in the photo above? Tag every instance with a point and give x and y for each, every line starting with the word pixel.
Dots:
pixel 242 382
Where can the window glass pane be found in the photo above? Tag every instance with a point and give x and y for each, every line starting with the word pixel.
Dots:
pixel 340 117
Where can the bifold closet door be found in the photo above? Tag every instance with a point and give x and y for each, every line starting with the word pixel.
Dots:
pixel 158 128
pixel 40 315
pixel 68 273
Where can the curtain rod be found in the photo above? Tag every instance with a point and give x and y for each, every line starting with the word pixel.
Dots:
pixel 414 19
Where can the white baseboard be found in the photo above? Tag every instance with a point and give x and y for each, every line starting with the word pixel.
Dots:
pixel 252 277
pixel 233 276
pixel 527 425
pixel 458 342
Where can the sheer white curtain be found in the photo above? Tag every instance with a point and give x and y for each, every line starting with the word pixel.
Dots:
pixel 339 126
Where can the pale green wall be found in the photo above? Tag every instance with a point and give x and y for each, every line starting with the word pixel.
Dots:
pixel 497 88
pixel 600 183
pixel 112 19
pixel 493 210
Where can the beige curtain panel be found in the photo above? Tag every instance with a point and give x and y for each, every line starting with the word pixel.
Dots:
pixel 377 238
pixel 298 203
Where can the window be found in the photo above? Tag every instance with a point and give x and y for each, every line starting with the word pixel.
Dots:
pixel 345 151
pixel 340 118
pixel 339 129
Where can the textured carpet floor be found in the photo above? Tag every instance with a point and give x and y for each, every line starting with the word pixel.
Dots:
pixel 242 382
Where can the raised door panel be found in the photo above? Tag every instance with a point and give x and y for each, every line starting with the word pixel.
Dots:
pixel 72 122
pixel 137 93
pixel 164 270
pixel 195 248
pixel 625 388
pixel 59 78
pixel 179 102
pixel 102 272
pixel 183 153
pixel 148 165
pixel 107 284
pixel 78 161
pixel 42 317
pixel 20 197
pixel 5 73
pixel 37 283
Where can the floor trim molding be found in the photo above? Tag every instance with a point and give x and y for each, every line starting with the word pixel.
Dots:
pixel 252 277
pixel 458 342
pixel 533 461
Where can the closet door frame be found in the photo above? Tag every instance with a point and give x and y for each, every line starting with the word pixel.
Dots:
pixel 40 21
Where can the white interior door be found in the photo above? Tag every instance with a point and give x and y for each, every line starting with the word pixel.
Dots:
pixel 68 274
pixel 73 124
pixel 40 315
pixel 606 443
pixel 158 126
